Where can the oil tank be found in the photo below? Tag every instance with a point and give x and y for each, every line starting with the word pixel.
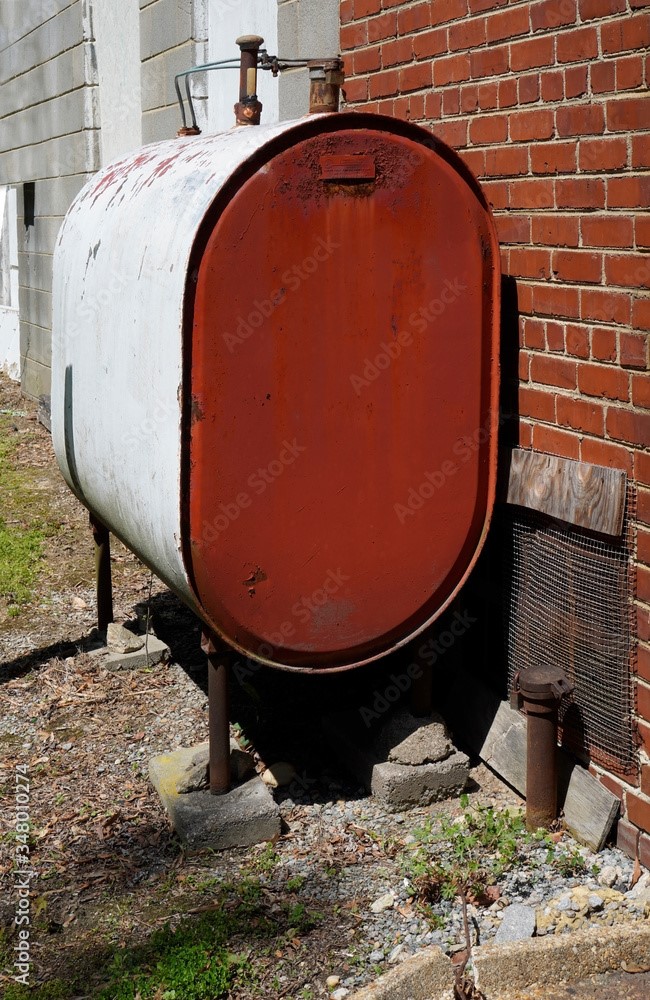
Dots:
pixel 275 378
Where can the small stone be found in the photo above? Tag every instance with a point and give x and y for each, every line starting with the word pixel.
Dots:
pixel 406 739
pixel 340 994
pixel 66 746
pixel 195 776
pixel 332 982
pixel 595 902
pixel 278 775
pixel 122 640
pixel 608 876
pixel 518 923
pixel 564 904
pixel 385 902
pixel 397 954
pixel 376 956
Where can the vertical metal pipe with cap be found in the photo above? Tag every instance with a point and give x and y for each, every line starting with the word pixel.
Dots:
pixel 326 78
pixel 248 109
pixel 541 689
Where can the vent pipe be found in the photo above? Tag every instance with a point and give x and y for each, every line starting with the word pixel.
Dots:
pixel 248 109
pixel 325 81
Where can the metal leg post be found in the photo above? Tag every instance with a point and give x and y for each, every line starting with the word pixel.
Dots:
pixel 219 715
pixel 104 584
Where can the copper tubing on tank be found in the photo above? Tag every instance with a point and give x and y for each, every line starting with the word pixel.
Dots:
pixel 541 689
pixel 248 109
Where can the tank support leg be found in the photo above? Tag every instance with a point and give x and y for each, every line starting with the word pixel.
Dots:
pixel 422 692
pixel 104 584
pixel 218 711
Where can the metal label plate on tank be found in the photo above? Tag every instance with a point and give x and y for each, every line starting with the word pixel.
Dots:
pixel 345 168
pixel 344 381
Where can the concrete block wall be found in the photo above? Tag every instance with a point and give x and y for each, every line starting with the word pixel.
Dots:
pixel 546 101
pixel 48 135
pixel 173 37
pixel 307 29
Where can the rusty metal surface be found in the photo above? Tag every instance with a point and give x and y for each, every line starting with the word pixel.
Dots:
pixel 541 688
pixel 218 715
pixel 248 109
pixel 344 382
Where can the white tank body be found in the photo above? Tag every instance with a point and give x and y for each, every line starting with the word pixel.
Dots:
pixel 120 272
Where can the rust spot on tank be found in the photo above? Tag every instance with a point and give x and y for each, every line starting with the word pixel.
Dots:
pixel 257 576
pixel 197 410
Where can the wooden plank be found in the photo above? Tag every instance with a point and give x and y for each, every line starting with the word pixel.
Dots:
pixel 590 496
pixel 589 808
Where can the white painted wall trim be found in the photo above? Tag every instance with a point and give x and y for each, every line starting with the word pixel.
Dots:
pixel 9 315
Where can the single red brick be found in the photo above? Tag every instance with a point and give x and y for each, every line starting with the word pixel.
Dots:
pixel 643 662
pixel 559 372
pixel 576 81
pixel 630 426
pixel 602 154
pixel 588 418
pixel 643 584
pixel 627 34
pixel 642 500
pixel 642 230
pixel 513 228
pixel 487 96
pixel 467 34
pixel 583 119
pixel 641 313
pixel 638 808
pixel 629 73
pixel 475 160
pixel 603 77
pixel 469 98
pixel 415 77
pixel 507 90
pixel 489 62
pixel 573 46
pixel 607 382
pixel 497 193
pixel 613 456
pixel 355 90
pixel 397 50
pixel 354 36
pixel 366 60
pixel 536 404
pixel 525 435
pixel 429 43
pixel 627 838
pixel 534 333
pixel 363 8
pixel 384 26
pixel 453 131
pixel 557 300
pixel 577 341
pixel 527 262
pixel 555 230
pixel 634 351
pixel 346 11
pixel 433 105
pixel 640 151
pixel 603 344
pixel 525 298
pixel 605 306
pixel 450 101
pixel 577 265
pixel 553 441
pixel 642 467
pixel 486 129
pixel 551 14
pixel 414 18
pixel 383 84
pixel 508 24
pixel 552 86
pixel 630 114
pixel 555 336
pixel 553 157
pixel 529 88
pixel 629 270
pixel 447 10
pixel 535 125
pixel 450 69
pixel 506 161
pixel 580 192
pixel 599 8
pixel 607 231
pixel 524 365
pixel 538 193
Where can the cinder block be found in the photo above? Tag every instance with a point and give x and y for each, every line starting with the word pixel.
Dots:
pixel 156 651
pixel 36 343
pixel 244 816
pixel 36 309
pixel 35 378
pixel 164 25
pixel 161 124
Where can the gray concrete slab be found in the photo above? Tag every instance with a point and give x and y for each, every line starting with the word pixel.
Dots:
pixel 244 816
pixel 153 652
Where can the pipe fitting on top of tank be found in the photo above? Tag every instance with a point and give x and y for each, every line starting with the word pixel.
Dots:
pixel 541 689
pixel 248 109
pixel 326 78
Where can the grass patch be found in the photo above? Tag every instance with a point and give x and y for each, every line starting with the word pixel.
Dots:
pixel 22 528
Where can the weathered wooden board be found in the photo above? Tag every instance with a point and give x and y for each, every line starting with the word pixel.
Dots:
pixel 589 808
pixel 590 496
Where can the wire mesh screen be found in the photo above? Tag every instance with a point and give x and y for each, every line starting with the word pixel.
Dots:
pixel 570 603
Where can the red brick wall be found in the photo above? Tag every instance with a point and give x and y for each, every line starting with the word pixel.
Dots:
pixel 546 102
